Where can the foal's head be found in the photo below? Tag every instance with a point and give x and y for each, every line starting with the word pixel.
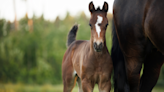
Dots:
pixel 98 23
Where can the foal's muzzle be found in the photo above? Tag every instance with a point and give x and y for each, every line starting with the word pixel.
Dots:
pixel 98 47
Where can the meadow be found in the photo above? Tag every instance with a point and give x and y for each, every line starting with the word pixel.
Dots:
pixel 48 88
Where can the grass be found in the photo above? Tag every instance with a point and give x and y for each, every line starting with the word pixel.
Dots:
pixel 47 88
pixel 36 88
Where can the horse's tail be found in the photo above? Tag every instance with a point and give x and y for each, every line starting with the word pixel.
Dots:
pixel 72 35
pixel 120 83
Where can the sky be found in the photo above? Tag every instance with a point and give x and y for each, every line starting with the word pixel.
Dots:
pixel 50 8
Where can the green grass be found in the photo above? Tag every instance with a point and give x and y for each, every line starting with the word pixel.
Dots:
pixel 47 88
pixel 36 88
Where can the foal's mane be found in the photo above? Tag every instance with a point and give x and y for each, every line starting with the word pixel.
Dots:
pixel 98 9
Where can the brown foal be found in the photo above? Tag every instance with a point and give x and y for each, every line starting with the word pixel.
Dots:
pixel 88 62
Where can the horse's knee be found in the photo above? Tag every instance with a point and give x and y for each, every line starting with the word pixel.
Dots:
pixel 133 73
pixel 133 66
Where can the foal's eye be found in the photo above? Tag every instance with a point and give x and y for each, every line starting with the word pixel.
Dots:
pixel 106 25
pixel 90 25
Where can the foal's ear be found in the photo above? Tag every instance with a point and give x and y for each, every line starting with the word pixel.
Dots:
pixel 105 7
pixel 91 7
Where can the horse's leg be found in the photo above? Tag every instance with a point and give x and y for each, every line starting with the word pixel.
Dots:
pixel 154 29
pixel 69 82
pixel 87 85
pixel 152 66
pixel 68 75
pixel 120 83
pixel 134 66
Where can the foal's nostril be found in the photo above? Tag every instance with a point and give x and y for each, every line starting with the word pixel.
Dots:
pixel 101 45
pixel 95 45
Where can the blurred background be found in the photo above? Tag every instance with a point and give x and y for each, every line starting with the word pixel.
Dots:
pixel 33 36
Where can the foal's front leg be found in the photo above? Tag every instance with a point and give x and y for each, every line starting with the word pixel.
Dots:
pixel 104 86
pixel 87 85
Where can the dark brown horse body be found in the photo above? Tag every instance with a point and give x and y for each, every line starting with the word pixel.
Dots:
pixel 139 36
pixel 88 62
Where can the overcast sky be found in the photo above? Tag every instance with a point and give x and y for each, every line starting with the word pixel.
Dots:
pixel 50 8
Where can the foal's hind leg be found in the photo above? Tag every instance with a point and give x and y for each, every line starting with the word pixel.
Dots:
pixel 151 71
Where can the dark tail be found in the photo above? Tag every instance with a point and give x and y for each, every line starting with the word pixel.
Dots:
pixel 72 35
pixel 120 77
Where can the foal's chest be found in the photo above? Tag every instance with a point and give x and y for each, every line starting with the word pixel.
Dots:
pixel 92 68
pixel 97 73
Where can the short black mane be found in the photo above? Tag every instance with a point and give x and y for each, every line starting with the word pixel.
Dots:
pixel 98 9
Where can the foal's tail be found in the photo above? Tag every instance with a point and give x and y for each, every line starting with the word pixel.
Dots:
pixel 72 34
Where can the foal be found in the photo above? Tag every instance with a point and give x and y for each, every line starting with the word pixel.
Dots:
pixel 88 62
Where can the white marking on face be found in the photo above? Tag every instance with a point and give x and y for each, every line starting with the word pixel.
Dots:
pixel 98 29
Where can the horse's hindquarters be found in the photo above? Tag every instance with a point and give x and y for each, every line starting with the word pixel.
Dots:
pixel 154 24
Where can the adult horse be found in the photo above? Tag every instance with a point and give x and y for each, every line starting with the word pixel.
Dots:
pixel 88 62
pixel 138 38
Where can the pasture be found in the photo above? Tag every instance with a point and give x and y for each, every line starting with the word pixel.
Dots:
pixel 47 88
